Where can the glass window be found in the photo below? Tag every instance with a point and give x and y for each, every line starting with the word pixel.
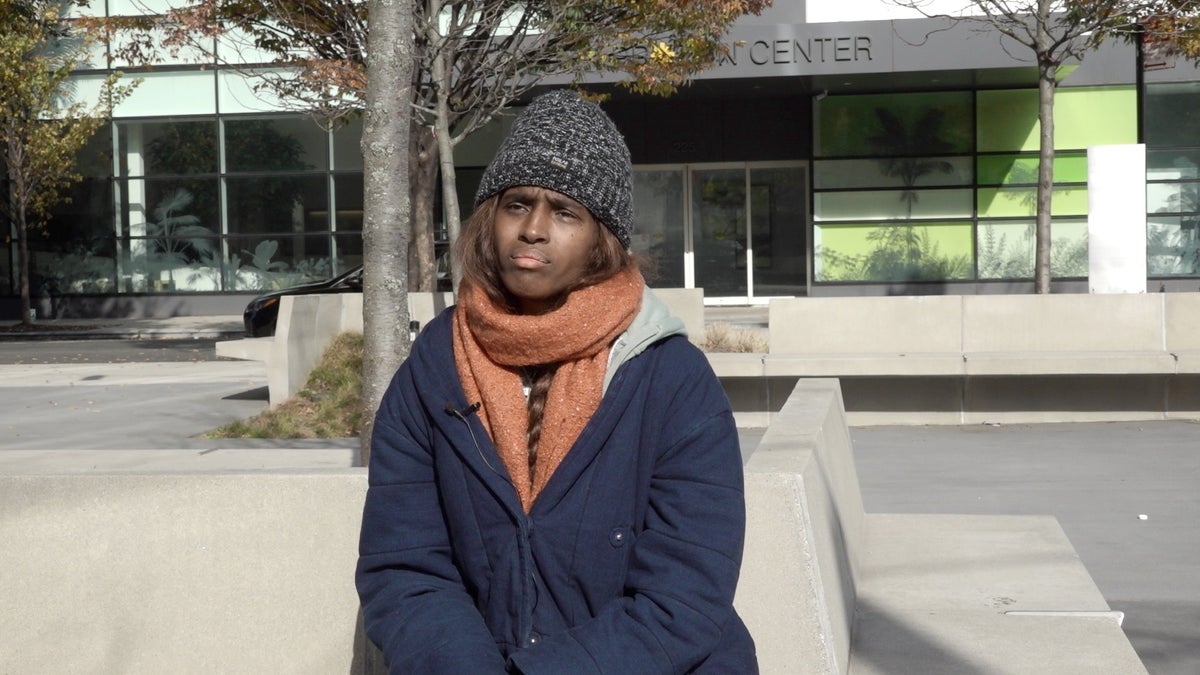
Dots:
pixel 889 125
pixel 659 230
pixel 171 242
pixel 268 263
pixel 172 147
pixel 277 204
pixel 79 247
pixel 893 252
pixel 348 202
pixel 275 144
pixel 1173 197
pixel 1173 163
pixel 1006 249
pixel 1023 169
pixel 891 172
pixel 778 223
pixel 1173 245
pixel 347 150
pixel 1172 114
pixel 719 230
pixel 154 207
pixel 1022 201
pixel 349 251
pixel 892 205
pixel 95 158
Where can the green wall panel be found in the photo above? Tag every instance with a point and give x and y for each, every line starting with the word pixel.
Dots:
pixel 1022 169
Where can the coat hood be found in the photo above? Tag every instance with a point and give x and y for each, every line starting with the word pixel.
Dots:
pixel 653 322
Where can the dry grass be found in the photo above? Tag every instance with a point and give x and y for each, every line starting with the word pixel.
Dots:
pixel 329 406
pixel 721 337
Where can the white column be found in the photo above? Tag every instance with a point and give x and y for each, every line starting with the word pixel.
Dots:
pixel 1117 219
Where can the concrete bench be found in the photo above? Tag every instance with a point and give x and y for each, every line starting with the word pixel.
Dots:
pixel 307 323
pixel 981 358
pixel 210 570
pixel 828 588
pixel 303 330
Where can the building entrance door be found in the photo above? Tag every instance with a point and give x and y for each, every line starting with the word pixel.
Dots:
pixel 738 231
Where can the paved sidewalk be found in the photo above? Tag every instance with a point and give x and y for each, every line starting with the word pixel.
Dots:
pixel 229 327
pixel 219 327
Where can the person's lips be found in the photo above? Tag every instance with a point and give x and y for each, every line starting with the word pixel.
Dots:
pixel 529 258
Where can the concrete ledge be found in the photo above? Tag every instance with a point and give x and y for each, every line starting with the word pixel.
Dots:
pixel 1071 363
pixel 828 588
pixel 948 642
pixel 981 358
pixel 216 573
pixel 859 365
pixel 249 349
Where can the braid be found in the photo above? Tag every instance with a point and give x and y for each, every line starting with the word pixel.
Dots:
pixel 540 378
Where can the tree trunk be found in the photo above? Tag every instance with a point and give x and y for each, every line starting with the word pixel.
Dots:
pixel 19 222
pixel 1045 186
pixel 387 210
pixel 23 263
pixel 423 168
pixel 450 213
pixel 1047 82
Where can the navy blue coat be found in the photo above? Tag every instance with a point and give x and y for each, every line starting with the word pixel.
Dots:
pixel 627 562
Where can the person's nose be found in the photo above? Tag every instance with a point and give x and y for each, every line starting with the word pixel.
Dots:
pixel 536 226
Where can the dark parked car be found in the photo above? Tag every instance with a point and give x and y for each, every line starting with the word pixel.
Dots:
pixel 262 312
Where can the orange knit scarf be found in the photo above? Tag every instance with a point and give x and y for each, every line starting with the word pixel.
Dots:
pixel 491 345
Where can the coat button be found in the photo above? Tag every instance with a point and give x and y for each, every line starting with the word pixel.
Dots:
pixel 533 640
pixel 617 537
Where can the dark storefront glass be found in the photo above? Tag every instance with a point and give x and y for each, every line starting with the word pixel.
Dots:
pixel 658 231
pixel 275 144
pixel 348 202
pixel 170 147
pixel 778 229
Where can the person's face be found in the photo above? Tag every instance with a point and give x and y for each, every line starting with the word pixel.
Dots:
pixel 543 240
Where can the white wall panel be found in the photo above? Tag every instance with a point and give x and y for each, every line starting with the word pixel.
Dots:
pixel 1117 219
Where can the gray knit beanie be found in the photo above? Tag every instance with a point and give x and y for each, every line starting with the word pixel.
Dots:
pixel 569 145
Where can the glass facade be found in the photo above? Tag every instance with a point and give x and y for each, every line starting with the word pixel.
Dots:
pixel 942 186
pixel 1172 134
pixel 183 205
pixel 194 189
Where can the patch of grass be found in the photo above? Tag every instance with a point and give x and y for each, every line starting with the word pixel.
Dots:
pixel 721 337
pixel 329 405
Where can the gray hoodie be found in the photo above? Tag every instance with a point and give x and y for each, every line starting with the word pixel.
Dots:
pixel 653 322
